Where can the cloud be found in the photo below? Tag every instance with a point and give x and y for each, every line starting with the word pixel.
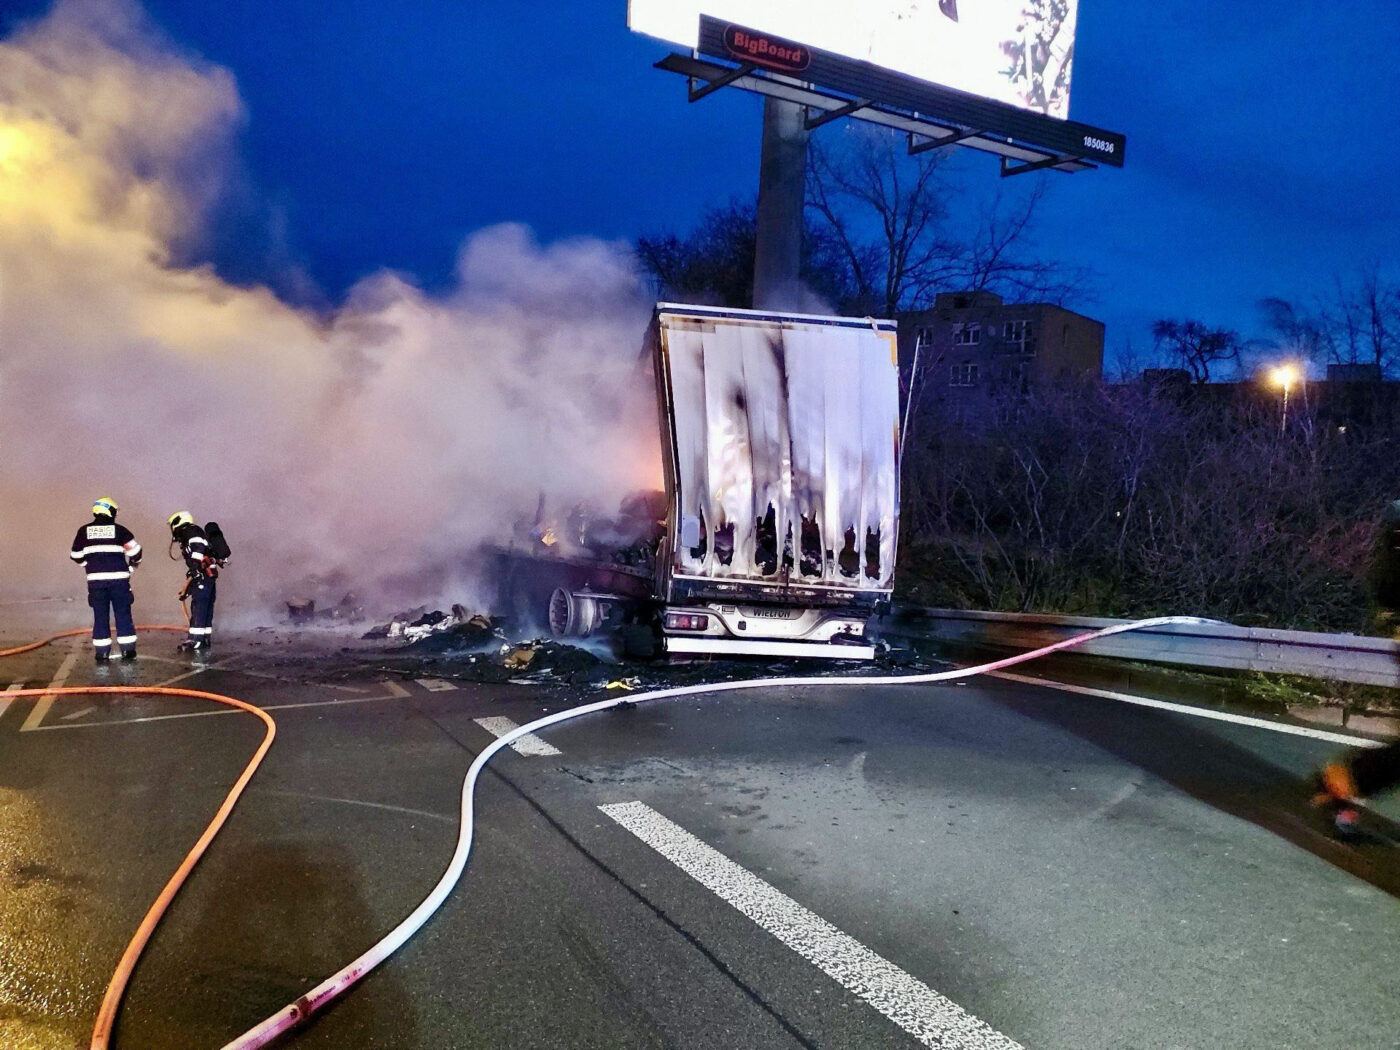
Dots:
pixel 379 441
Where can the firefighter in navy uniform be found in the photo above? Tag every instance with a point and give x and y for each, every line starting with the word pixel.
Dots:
pixel 108 552
pixel 201 570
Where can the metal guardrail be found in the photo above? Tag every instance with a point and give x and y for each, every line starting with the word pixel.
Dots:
pixel 1336 657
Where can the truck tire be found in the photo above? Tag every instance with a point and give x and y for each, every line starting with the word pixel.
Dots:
pixel 573 614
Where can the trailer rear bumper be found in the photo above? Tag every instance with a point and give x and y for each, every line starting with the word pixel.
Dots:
pixel 762 647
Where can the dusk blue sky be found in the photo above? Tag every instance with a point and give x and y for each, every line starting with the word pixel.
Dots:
pixel 1262 155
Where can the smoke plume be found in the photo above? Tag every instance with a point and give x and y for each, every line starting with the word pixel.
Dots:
pixel 374 444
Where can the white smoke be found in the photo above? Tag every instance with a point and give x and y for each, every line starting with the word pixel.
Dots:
pixel 380 442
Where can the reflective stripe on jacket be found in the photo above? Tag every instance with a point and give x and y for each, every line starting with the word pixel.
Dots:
pixel 106 550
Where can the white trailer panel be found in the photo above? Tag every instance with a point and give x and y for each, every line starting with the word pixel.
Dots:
pixel 783 436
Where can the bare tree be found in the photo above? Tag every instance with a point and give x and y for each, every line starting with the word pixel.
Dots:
pixel 904 233
pixel 1356 322
pixel 1296 333
pixel 1197 347
pixel 997 255
pixel 886 211
pixel 714 263
pixel 1373 308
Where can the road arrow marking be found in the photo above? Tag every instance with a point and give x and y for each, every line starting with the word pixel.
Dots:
pixel 45 702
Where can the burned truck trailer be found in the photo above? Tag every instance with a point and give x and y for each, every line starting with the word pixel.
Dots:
pixel 777 533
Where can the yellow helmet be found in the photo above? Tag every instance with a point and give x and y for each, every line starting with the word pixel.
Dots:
pixel 106 507
pixel 180 517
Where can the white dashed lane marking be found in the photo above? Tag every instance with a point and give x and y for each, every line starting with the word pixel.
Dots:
pixel 41 708
pixel 529 744
pixel 436 685
pixel 929 1017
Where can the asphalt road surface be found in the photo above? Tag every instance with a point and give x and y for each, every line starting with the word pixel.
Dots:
pixel 984 864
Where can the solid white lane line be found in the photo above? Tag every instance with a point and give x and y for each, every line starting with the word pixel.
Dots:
pixel 45 702
pixel 436 685
pixel 78 713
pixel 529 744
pixel 1197 712
pixel 929 1017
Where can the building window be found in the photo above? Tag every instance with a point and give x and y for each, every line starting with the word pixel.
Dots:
pixel 1019 336
pixel 964 374
pixel 1014 378
pixel 1016 331
pixel 1010 412
pixel 923 338
pixel 967 335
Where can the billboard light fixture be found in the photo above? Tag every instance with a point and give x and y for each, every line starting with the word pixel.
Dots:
pixel 917 123
pixel 917 147
pixel 724 80
pixel 849 109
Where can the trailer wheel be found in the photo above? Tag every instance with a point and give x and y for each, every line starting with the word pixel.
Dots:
pixel 573 615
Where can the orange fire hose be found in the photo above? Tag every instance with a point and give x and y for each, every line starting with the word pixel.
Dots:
pixel 116 988
pixel 73 634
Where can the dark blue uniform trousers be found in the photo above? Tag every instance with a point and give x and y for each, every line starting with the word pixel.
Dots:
pixel 108 597
pixel 202 593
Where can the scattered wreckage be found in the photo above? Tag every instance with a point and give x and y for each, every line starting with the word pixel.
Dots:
pixel 776 533
pixel 465 628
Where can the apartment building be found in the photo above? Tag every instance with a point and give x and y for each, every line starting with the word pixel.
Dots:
pixel 974 348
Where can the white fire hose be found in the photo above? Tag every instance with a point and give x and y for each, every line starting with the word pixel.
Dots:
pixel 339 982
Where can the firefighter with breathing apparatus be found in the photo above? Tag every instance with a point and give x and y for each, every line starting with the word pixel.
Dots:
pixel 205 553
pixel 108 552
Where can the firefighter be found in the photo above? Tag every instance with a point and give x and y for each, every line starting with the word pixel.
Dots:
pixel 201 570
pixel 1343 783
pixel 108 552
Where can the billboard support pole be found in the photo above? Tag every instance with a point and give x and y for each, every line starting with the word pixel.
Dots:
pixel 782 181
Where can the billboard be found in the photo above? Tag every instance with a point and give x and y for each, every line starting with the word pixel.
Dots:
pixel 1018 52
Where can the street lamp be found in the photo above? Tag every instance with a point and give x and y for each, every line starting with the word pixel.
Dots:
pixel 1284 376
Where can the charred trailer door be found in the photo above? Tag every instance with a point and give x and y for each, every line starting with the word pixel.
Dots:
pixel 781 439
